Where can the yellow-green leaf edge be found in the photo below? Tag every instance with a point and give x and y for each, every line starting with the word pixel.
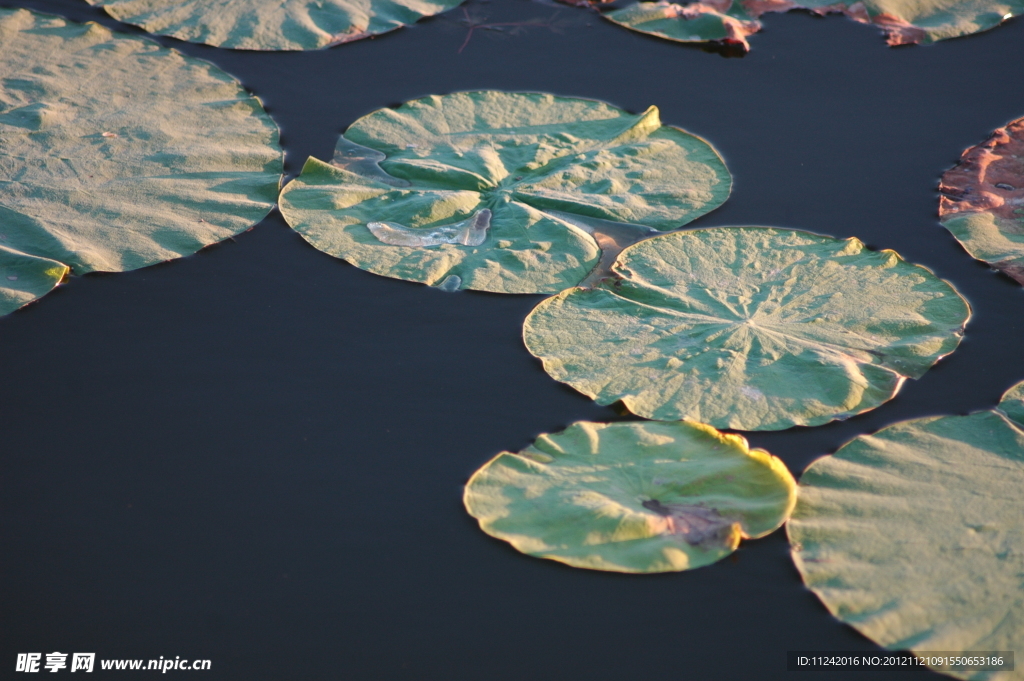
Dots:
pixel 577 496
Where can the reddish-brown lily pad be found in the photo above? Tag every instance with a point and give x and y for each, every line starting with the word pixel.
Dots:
pixel 982 201
pixel 731 21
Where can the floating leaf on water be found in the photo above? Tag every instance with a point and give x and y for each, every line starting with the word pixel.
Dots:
pixel 272 24
pixel 1012 404
pixel 731 21
pixel 915 535
pixel 550 172
pixel 752 328
pixel 982 200
pixel 696 22
pixel 117 153
pixel 632 497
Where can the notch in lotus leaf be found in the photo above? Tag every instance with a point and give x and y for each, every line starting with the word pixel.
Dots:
pixel 276 25
pixel 632 497
pixel 119 153
pixel 751 328
pixel 982 200
pixel 25 278
pixel 732 21
pixel 913 535
pixel 504 192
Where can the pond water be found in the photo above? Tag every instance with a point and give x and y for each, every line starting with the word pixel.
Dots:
pixel 255 455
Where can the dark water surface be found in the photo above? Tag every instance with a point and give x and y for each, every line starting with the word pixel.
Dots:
pixel 255 455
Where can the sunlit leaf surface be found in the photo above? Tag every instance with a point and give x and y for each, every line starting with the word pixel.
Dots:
pixel 731 21
pixel 117 153
pixel 632 497
pixel 751 328
pixel 914 535
pixel 498 190
pixel 272 24
pixel 690 22
pixel 982 201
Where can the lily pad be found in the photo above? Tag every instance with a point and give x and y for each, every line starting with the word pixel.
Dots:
pixel 695 22
pixel 1012 403
pixel 731 21
pixel 531 172
pixel 752 328
pixel 632 497
pixel 982 201
pixel 117 153
pixel 272 24
pixel 914 535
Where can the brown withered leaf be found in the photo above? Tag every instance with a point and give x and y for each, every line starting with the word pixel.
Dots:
pixel 982 200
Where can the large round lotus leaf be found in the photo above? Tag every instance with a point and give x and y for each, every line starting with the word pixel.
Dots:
pixel 116 153
pixel 272 24
pixel 491 188
pixel 24 278
pixel 914 535
pixel 903 21
pixel 751 328
pixel 632 497
pixel 983 200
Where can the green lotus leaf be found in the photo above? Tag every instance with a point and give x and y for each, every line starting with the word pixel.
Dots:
pixel 24 278
pixel 752 328
pixel 272 25
pixel 117 153
pixel 1012 404
pixel 982 200
pixel 632 497
pixel 731 21
pixel 695 22
pixel 913 535
pixel 499 191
